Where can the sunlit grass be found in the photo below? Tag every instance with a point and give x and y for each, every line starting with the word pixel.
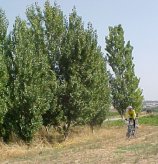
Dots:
pixel 81 139
pixel 149 120
pixel 113 123
pixel 112 114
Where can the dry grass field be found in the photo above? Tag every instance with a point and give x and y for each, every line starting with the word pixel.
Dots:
pixel 105 146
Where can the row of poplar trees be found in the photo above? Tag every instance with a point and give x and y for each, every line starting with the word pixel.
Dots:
pixel 52 72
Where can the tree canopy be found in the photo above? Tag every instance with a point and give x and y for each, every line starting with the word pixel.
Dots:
pixel 123 81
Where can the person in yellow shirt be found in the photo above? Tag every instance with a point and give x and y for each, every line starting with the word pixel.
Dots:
pixel 131 115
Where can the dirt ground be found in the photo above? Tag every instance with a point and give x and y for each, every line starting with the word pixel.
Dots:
pixel 105 146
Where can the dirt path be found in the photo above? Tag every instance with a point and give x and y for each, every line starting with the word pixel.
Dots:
pixel 105 147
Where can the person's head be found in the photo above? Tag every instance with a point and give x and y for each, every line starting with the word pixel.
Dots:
pixel 129 107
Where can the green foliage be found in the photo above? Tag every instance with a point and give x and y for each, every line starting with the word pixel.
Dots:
pixel 33 81
pixel 55 74
pixel 86 97
pixel 55 27
pixel 73 96
pixel 96 80
pixel 3 69
pixel 123 81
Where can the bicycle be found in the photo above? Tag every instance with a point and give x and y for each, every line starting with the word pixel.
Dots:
pixel 131 131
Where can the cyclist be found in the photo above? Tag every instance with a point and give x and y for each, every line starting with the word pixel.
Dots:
pixel 131 115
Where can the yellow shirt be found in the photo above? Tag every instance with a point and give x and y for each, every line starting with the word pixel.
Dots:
pixel 131 114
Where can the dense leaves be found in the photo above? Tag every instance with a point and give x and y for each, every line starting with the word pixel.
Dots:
pixel 32 82
pixel 124 83
pixel 53 73
pixel 3 68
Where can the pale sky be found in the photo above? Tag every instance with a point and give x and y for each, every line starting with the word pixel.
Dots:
pixel 137 17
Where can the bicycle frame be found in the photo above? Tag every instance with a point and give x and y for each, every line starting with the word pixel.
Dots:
pixel 130 129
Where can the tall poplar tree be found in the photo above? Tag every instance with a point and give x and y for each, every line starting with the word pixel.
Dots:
pixel 3 68
pixel 96 80
pixel 72 94
pixel 55 28
pixel 33 80
pixel 124 83
pixel 86 96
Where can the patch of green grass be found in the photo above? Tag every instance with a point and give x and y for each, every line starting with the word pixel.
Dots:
pixel 113 114
pixel 149 120
pixel 146 120
pixel 113 123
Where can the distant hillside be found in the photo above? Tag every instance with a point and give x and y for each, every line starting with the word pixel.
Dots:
pixel 150 104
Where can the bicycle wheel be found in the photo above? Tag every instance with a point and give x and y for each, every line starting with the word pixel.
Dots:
pixel 128 134
pixel 130 131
